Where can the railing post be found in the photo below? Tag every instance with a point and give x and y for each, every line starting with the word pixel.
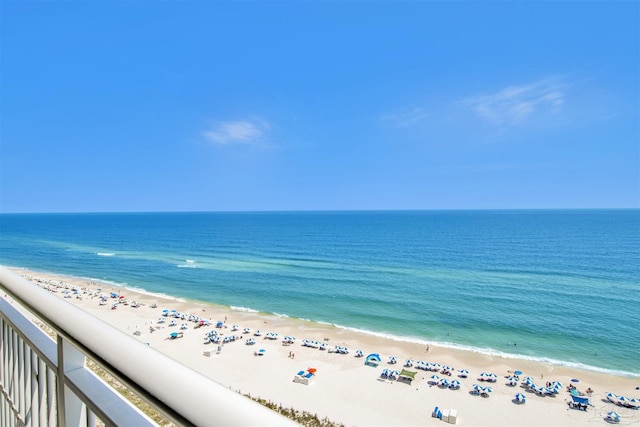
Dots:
pixel 71 410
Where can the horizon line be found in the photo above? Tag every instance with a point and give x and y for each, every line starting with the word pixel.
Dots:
pixel 324 210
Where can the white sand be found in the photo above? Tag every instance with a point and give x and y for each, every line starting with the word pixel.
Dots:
pixel 344 389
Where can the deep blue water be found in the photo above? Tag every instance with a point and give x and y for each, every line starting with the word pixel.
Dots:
pixel 562 284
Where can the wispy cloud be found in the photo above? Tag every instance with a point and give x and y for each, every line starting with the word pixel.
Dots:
pixel 238 132
pixel 407 118
pixel 514 104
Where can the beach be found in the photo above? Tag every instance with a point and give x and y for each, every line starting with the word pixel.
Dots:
pixel 343 388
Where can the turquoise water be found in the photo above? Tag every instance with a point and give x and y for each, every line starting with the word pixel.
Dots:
pixel 562 284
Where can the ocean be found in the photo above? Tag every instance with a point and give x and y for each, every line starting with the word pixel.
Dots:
pixel 563 285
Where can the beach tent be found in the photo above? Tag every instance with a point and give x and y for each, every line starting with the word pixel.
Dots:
pixel 373 360
pixel 407 376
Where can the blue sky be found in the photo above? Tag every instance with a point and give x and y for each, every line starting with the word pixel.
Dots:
pixel 233 106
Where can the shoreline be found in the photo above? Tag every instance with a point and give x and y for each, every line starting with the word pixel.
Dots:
pixel 344 378
pixel 384 335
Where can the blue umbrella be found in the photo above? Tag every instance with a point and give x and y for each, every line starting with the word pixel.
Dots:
pixel 517 373
pixel 521 398
pixel 613 416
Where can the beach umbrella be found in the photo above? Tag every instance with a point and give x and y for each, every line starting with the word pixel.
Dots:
pixel 613 416
pixel 454 384
pixel 488 389
pixel 435 377
pixel 521 398
pixel 408 363
pixel 612 397
pixel 622 400
pixel 464 373
pixel 447 368
pixel 556 383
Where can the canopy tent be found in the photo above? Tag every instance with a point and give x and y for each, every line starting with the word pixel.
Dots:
pixel 581 400
pixel 407 375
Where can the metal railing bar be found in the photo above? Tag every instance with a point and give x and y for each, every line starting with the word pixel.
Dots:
pixel 111 410
pixel 37 339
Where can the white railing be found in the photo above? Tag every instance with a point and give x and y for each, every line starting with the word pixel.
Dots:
pixel 45 382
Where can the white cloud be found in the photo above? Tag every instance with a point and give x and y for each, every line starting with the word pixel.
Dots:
pixel 238 132
pixel 514 104
pixel 406 118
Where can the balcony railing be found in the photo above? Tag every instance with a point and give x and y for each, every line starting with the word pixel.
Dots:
pixel 45 382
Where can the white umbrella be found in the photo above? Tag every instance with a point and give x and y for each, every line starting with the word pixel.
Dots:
pixel 622 400
pixel 613 416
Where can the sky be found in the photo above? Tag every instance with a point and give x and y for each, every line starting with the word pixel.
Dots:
pixel 136 106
